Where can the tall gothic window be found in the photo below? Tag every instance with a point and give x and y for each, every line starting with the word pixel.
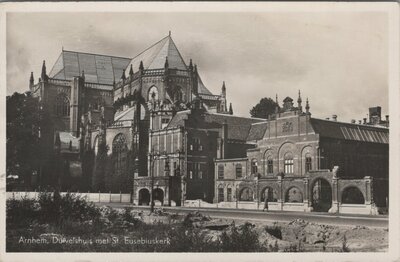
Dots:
pixel 153 93
pixel 62 105
pixel 119 152
pixel 288 164
pixel 270 165
pixel 308 163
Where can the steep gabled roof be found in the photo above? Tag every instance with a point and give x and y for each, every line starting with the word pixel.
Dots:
pixel 347 131
pixel 100 69
pixel 154 56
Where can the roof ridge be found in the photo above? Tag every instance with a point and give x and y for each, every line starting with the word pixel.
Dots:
pixel 179 53
pixel 158 51
pixel 87 53
pixel 351 124
pixel 149 47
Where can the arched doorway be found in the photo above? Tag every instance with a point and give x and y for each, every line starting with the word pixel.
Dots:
pixel 158 196
pixel 144 197
pixel 271 194
pixel 321 195
pixel 352 195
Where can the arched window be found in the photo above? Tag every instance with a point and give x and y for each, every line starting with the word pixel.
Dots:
pixel 288 163
pixel 308 162
pixel 246 194
pixel 177 94
pixel 62 105
pixel 294 195
pixel 254 168
pixel 119 152
pixel 352 195
pixel 270 165
pixel 238 170
pixel 153 93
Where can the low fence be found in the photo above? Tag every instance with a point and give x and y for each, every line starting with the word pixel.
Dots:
pixel 92 197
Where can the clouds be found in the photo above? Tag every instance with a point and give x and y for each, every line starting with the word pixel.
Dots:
pixel 337 59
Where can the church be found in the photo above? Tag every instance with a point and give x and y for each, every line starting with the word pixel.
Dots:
pixel 149 126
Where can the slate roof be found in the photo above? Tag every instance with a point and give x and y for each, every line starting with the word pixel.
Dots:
pixel 100 69
pixel 238 127
pixel 154 56
pixel 348 131
pixel 257 131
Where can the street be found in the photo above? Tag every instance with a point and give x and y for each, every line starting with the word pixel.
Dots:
pixel 282 216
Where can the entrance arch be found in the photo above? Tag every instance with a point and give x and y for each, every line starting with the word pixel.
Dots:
pixel 321 195
pixel 246 194
pixel 144 197
pixel 271 194
pixel 158 195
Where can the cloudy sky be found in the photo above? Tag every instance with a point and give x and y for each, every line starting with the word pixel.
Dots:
pixel 337 59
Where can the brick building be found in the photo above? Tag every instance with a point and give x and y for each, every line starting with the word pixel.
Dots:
pixel 303 163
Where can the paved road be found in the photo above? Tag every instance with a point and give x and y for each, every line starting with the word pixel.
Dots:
pixel 253 215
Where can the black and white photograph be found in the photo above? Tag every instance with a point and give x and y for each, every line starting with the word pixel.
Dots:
pixel 200 130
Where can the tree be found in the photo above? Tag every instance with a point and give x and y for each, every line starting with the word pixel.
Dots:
pixel 23 127
pixel 100 169
pixel 265 107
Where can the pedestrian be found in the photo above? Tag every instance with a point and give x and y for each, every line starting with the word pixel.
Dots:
pixel 265 200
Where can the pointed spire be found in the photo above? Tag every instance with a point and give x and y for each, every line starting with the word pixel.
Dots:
pixel 141 67
pixel 299 99
pixel 223 87
pixel 123 77
pixel 169 33
pixel 299 103
pixel 131 71
pixel 83 74
pixel 166 63
pixel 31 79
pixel 307 106
pixel 277 104
pixel 191 65
pixel 195 68
pixel 44 75
pixel 230 109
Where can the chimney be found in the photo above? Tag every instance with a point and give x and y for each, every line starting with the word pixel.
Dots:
pixel 387 118
pixel 359 122
pixel 365 121
pixel 353 121
pixel 334 117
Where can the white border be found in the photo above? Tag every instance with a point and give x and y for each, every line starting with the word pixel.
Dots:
pixel 394 96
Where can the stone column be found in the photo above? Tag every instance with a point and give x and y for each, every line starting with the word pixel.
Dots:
pixel 335 196
pixel 307 199
pixel 280 199
pixel 369 201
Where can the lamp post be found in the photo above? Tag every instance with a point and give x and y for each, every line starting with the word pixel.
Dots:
pixel 152 160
